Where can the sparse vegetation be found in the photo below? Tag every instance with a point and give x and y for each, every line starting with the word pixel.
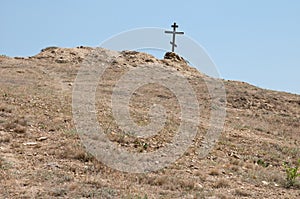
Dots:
pixel 214 172
pixel 262 163
pixel 221 184
pixel 17 125
pixel 242 193
pixel 261 130
pixel 291 173
pixel 49 48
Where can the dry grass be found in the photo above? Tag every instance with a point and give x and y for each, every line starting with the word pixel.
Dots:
pixel 270 175
pixel 260 125
pixel 187 184
pixel 18 125
pixel 222 183
pixel 5 138
pixel 158 181
pixel 235 168
pixel 73 150
pixel 242 193
pixel 214 172
pixel 1 162
pixel 20 129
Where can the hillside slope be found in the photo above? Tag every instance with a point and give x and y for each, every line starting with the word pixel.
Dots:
pixel 41 155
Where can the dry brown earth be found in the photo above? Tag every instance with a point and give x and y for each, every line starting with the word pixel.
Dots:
pixel 41 155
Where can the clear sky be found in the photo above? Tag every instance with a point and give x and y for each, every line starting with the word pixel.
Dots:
pixel 255 41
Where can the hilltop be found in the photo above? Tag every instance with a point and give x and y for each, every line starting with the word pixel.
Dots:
pixel 41 155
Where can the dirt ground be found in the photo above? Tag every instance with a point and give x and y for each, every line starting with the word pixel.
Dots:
pixel 42 156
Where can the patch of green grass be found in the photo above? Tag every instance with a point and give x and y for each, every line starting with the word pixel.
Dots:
pixel 262 163
pixel 291 173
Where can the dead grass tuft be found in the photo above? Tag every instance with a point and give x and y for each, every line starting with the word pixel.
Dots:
pixel 17 125
pixel 73 186
pixel 95 181
pixel 266 174
pixel 10 126
pixel 157 181
pixel 234 168
pixel 214 172
pixel 5 138
pixel 236 162
pixel 58 192
pixel 242 193
pixel 202 175
pixel 186 184
pixel 1 162
pixel 74 151
pixel 4 165
pixel 83 156
pixel 223 196
pixel 20 129
pixel 222 183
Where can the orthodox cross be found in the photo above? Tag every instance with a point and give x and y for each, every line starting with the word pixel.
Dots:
pixel 174 26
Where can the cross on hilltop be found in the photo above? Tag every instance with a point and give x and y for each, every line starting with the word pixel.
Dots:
pixel 174 26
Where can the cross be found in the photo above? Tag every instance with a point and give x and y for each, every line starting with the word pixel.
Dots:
pixel 174 26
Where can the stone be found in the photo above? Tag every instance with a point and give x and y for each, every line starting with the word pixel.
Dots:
pixel 30 143
pixel 41 138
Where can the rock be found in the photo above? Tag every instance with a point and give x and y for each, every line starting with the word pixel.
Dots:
pixel 30 143
pixel 61 60
pixel 265 182
pixel 173 56
pixel 41 138
pixel 53 165
pixel 199 186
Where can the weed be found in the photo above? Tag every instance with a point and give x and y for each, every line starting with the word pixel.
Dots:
pixel 145 145
pixel 291 173
pixel 262 163
pixel 107 129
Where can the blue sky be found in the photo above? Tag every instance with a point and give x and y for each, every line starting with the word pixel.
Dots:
pixel 252 41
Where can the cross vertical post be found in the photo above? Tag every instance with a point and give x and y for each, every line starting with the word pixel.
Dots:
pixel 174 26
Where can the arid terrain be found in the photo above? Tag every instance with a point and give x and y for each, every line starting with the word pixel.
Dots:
pixel 42 156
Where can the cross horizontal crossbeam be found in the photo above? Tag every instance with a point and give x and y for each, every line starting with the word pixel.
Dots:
pixel 174 26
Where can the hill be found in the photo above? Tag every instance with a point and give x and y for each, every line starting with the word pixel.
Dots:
pixel 42 156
